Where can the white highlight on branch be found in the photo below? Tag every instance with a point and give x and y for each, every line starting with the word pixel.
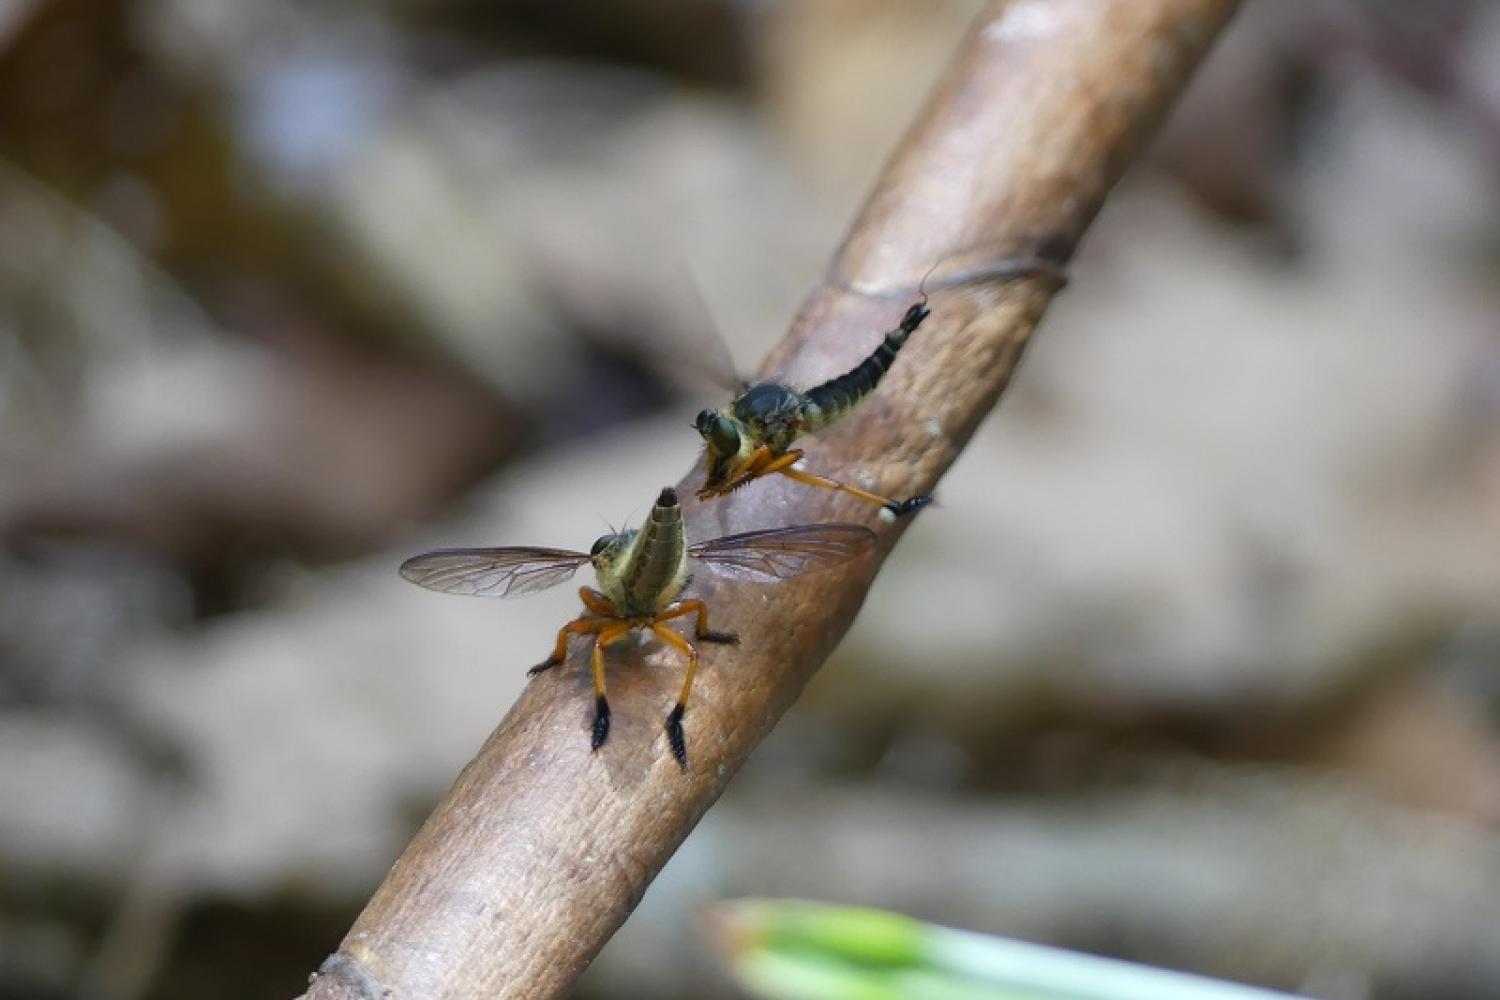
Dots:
pixel 1025 21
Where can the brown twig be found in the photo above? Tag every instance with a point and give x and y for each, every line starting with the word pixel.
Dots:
pixel 542 849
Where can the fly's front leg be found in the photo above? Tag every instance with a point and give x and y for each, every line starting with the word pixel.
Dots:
pixel 751 468
pixel 597 602
pixel 701 630
pixel 583 625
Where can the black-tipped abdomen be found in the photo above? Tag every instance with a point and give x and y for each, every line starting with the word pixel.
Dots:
pixel 835 398
pixel 656 565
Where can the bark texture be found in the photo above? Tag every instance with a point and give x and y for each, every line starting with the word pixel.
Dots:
pixel 542 849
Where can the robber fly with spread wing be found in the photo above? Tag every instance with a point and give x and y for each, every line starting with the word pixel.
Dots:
pixel 641 577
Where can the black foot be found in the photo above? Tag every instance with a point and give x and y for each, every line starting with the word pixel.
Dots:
pixel 901 508
pixel 546 664
pixel 727 638
pixel 601 723
pixel 675 736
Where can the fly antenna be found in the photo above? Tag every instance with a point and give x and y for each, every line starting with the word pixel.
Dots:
pixel 922 285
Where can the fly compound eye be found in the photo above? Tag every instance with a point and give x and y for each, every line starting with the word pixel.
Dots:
pixel 724 436
pixel 705 422
pixel 601 545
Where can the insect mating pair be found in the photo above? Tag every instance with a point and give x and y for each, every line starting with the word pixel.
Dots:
pixel 642 573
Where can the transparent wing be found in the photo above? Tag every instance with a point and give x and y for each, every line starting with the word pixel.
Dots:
pixel 782 553
pixel 508 572
pixel 699 351
pixel 652 312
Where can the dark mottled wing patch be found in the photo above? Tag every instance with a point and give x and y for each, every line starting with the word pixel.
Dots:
pixel 508 572
pixel 782 553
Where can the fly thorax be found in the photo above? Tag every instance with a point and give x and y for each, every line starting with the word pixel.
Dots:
pixel 609 556
pixel 773 413
pixel 767 403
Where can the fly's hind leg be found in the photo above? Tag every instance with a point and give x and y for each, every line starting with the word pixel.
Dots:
pixel 675 737
pixel 890 509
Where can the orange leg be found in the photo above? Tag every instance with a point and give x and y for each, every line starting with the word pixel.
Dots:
pixel 892 508
pixel 675 737
pixel 751 468
pixel 597 602
pixel 701 630
pixel 756 464
pixel 584 625
pixel 611 633
pixel 762 463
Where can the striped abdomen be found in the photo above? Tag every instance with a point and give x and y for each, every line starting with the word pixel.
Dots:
pixel 835 398
pixel 656 567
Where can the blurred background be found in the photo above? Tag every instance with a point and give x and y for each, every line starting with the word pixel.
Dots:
pixel 1206 670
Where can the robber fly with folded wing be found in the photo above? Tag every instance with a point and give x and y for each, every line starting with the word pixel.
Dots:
pixel 752 435
pixel 641 576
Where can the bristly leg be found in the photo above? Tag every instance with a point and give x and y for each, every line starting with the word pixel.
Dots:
pixel 889 509
pixel 601 722
pixel 901 508
pixel 612 633
pixel 675 736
